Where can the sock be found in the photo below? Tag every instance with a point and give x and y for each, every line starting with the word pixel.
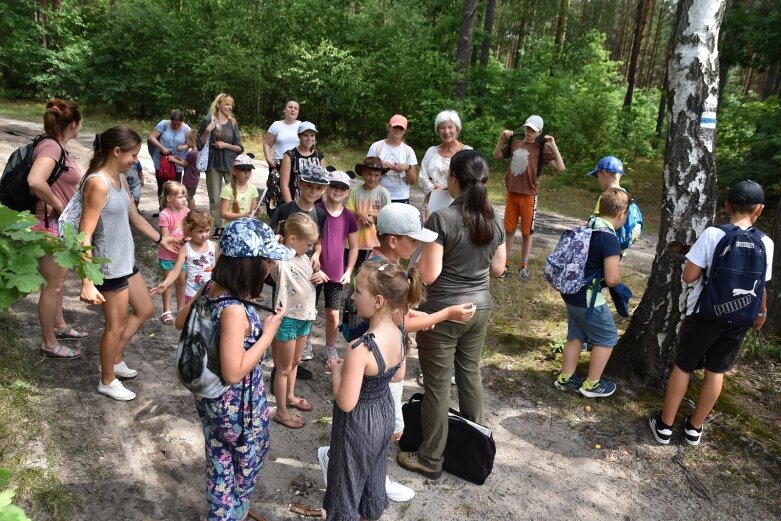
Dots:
pixel 661 425
pixel 692 427
pixel 524 263
pixel 588 384
pixel 564 377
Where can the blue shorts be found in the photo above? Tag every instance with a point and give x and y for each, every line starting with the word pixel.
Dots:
pixel 599 330
pixel 168 265
pixel 292 328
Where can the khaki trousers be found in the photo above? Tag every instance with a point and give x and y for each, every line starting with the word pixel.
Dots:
pixel 214 180
pixel 448 344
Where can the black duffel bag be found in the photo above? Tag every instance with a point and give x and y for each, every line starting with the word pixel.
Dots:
pixel 470 448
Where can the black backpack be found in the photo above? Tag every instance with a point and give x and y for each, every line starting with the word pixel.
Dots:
pixel 14 190
pixel 508 152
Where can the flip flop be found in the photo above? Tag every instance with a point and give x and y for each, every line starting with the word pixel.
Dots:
pixel 167 318
pixel 301 405
pixel 290 423
pixel 60 352
pixel 68 333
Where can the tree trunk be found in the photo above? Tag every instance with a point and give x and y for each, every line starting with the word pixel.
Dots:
pixel 770 86
pixel 561 25
pixel 773 323
pixel 641 23
pixel 648 347
pixel 650 64
pixel 464 46
pixel 488 29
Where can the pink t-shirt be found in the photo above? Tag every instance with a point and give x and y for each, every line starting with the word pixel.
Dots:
pixel 65 185
pixel 173 220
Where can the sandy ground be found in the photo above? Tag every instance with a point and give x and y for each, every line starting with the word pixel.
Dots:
pixel 143 460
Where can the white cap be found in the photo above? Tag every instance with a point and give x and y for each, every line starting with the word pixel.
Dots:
pixel 306 125
pixel 403 219
pixel 534 123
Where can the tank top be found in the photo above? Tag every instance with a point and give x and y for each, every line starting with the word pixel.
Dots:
pixel 112 237
pixel 199 268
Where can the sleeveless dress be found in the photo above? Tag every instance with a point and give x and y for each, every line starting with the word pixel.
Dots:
pixel 360 439
pixel 235 428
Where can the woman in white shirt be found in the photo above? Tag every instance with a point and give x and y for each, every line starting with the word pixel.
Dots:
pixel 282 135
pixel 435 167
pixel 399 158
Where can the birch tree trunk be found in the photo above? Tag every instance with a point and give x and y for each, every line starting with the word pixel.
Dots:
pixel 648 347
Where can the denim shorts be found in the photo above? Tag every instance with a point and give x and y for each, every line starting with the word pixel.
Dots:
pixel 292 328
pixel 599 330
pixel 168 265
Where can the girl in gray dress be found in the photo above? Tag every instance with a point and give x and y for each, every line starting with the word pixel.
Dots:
pixel 363 409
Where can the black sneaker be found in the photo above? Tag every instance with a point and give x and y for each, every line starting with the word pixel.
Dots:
pixel 662 433
pixel 573 384
pixel 690 433
pixel 302 373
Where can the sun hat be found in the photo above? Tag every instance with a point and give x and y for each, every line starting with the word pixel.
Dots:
pixel 746 192
pixel 534 123
pixel 608 164
pixel 341 179
pixel 315 174
pixel 403 219
pixel 372 163
pixel 248 237
pixel 398 121
pixel 306 125
pixel 243 162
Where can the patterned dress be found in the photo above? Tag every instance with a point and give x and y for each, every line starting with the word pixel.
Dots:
pixel 235 427
pixel 359 445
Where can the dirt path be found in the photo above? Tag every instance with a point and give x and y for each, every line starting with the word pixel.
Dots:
pixel 143 460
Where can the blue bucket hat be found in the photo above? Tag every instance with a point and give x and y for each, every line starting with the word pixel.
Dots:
pixel 620 293
pixel 247 237
pixel 609 164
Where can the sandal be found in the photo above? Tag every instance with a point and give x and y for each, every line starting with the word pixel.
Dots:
pixel 68 333
pixel 294 422
pixel 167 318
pixel 301 405
pixel 60 352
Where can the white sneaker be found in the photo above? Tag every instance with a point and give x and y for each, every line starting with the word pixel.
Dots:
pixel 308 353
pixel 398 492
pixel 331 352
pixel 116 391
pixel 322 457
pixel 123 371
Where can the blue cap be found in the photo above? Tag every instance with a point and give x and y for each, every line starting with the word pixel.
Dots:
pixel 609 164
pixel 248 237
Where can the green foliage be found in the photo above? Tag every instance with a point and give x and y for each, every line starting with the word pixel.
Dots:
pixel 9 511
pixel 20 249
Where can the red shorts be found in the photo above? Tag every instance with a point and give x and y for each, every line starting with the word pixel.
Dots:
pixel 521 207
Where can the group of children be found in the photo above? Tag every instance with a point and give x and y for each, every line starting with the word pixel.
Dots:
pixel 303 252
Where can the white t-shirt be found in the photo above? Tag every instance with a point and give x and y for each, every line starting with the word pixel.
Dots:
pixel 701 255
pixel 394 181
pixel 286 137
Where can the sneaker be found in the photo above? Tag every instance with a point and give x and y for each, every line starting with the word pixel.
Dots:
pixel 410 461
pixel 322 458
pixel 523 274
pixel 302 373
pixel 662 433
pixel 573 384
pixel 308 353
pixel 603 389
pixel 398 492
pixel 116 391
pixel 690 434
pixel 123 371
pixel 330 352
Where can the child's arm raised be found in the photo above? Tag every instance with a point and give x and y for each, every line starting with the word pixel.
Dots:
pixel 558 162
pixel 235 362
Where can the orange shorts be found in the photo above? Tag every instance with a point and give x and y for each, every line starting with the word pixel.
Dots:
pixel 523 207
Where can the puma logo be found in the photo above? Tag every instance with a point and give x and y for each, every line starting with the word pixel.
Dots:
pixel 737 291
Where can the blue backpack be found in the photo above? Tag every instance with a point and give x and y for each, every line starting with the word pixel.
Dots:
pixel 734 289
pixel 565 268
pixel 627 233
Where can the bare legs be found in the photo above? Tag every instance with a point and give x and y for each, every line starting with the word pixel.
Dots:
pixel 50 301
pixel 706 399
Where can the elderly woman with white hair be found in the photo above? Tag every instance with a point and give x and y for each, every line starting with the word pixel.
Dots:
pixel 435 166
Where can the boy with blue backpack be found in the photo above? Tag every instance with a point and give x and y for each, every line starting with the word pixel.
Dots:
pixel 608 172
pixel 728 266
pixel 581 261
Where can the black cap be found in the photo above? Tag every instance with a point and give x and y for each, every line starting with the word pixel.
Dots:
pixel 746 192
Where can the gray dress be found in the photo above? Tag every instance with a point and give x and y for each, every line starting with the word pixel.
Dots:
pixel 359 445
